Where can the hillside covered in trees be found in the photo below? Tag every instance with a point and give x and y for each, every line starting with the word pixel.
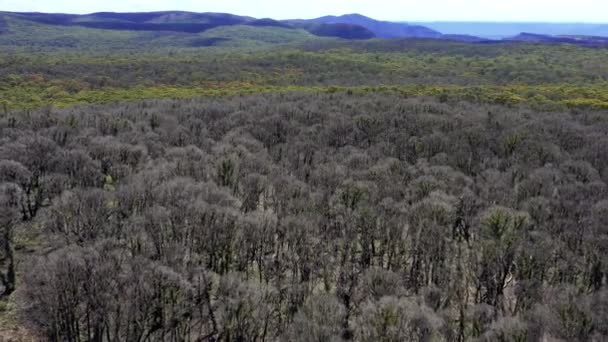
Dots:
pixel 256 182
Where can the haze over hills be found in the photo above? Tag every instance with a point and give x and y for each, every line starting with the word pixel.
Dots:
pixel 382 29
pixel 352 26
pixel 500 30
pixel 190 29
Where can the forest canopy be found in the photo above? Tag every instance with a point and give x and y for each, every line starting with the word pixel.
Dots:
pixel 256 183
pixel 546 76
pixel 308 217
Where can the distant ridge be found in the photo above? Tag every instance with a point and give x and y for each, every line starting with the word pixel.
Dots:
pixel 382 29
pixel 350 26
pixel 268 22
pixel 3 26
pixel 145 21
pixel 341 30
pixel 542 38
pixel 462 38
pixel 502 30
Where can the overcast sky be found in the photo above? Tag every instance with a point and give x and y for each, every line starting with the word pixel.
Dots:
pixel 402 10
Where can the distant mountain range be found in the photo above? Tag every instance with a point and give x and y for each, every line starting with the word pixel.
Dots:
pixel 543 38
pixel 149 21
pixel 501 30
pixel 381 29
pixel 350 26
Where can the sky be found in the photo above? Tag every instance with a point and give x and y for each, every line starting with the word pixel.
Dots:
pixel 593 11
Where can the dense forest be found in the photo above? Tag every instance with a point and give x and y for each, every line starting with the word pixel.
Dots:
pixel 308 217
pixel 548 77
pixel 253 182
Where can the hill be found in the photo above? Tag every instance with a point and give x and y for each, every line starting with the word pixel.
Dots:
pixel 189 29
pixel 38 34
pixel 173 21
pixel 3 26
pixel 251 36
pixel 382 29
pixel 543 38
pixel 339 30
pixel 146 21
pixel 462 38
pixel 500 30
pixel 268 22
pixel 359 26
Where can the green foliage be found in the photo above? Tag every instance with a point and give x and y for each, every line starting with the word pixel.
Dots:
pixel 226 173
pixel 252 36
pixel 103 66
pixel 23 34
pixel 33 95
pixel 575 322
pixel 351 195
pixel 511 143
pixel 503 224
